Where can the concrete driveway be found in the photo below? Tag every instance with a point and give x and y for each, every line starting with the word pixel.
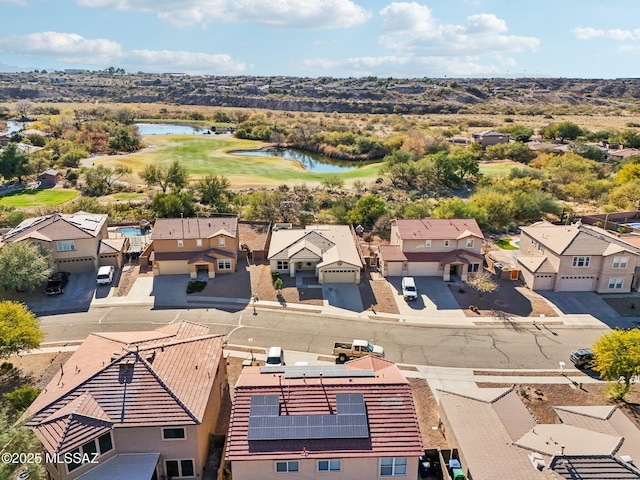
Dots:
pixel 580 303
pixel 77 296
pixel 341 296
pixel 434 298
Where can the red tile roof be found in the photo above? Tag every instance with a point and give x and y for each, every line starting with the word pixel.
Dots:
pixel 393 426
pixel 183 228
pixel 438 228
pixel 393 253
pixel 163 377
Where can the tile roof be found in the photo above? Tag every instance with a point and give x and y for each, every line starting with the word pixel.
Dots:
pixel 332 243
pixel 191 228
pixel 111 245
pixel 58 227
pixel 438 229
pixel 391 417
pixel 393 253
pixel 171 369
pixel 211 255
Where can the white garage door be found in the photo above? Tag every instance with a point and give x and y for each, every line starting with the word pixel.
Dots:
pixel 339 275
pixel 576 284
pixel 173 268
pixel 425 269
pixel 544 282
pixel 394 269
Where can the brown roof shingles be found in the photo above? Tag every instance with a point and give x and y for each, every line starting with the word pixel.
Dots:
pixel 118 376
pixel 393 426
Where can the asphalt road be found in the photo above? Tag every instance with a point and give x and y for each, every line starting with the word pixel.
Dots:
pixel 499 346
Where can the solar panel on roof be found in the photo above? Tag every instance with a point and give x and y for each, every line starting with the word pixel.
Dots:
pixel 265 423
pixel 314 371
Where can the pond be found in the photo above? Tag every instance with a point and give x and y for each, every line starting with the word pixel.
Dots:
pixel 169 129
pixel 312 162
pixel 13 126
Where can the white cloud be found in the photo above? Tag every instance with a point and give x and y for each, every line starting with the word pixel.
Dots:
pixel 301 14
pixel 409 26
pixel 74 49
pixel 587 33
pixel 401 66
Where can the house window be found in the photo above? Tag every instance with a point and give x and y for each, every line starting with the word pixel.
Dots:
pixel 620 262
pixel 179 468
pixel 581 261
pixel 469 242
pixel 221 242
pixel 198 242
pixel 100 445
pixel 616 282
pixel 427 243
pixel 224 264
pixel 328 465
pixel 393 467
pixel 286 467
pixel 180 243
pixel 283 265
pixel 473 267
pixel 174 433
pixel 540 248
pixel 65 245
pixel 447 243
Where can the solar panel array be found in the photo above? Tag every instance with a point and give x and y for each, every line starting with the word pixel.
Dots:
pixel 314 371
pixel 350 420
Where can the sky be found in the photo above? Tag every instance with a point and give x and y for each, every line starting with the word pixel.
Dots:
pixel 336 38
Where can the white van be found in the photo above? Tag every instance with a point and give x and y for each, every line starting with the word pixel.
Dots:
pixel 409 290
pixel 275 357
pixel 105 275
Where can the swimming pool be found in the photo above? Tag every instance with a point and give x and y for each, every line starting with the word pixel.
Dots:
pixel 633 225
pixel 130 231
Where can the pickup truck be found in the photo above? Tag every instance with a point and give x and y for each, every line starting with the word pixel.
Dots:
pixel 56 283
pixel 358 348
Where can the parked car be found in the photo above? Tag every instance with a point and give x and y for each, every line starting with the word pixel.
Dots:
pixel 56 283
pixel 582 357
pixel 356 349
pixel 409 290
pixel 275 357
pixel 105 275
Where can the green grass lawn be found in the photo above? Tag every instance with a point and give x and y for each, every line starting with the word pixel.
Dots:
pixel 204 155
pixel 38 198
pixel 505 244
pixel 500 168
pixel 129 196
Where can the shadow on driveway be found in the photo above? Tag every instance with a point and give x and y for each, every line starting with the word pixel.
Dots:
pixel 588 303
pixel 76 298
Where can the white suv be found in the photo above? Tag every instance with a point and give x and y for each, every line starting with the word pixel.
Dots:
pixel 105 275
pixel 409 290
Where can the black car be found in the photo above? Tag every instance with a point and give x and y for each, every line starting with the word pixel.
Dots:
pixel 56 283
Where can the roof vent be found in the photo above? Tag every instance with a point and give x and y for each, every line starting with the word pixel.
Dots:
pixel 626 459
pixel 537 461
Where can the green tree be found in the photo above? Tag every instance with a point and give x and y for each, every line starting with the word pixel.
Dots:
pixel 333 182
pixel 125 139
pixel 14 163
pixel 23 266
pixel 19 329
pixel 22 397
pixel 16 438
pixel 173 205
pixel 627 138
pixel 562 131
pixel 518 152
pixel 174 176
pixel 458 208
pixel 367 211
pixel 214 191
pixel 617 358
pixel 100 179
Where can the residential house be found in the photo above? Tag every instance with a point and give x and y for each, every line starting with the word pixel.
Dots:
pixel 329 251
pixel 141 404
pixel 538 146
pixel 49 178
pixel 490 137
pixel 350 421
pixel 576 258
pixel 195 246
pixel 617 155
pixel 497 437
pixel 74 241
pixel 433 247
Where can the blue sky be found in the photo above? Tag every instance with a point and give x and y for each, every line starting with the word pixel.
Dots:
pixel 339 38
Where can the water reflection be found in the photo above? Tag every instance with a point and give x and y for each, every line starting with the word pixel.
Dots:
pixel 313 162
pixel 168 129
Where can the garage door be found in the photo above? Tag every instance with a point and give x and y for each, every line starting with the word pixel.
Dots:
pixel 425 269
pixel 76 265
pixel 109 259
pixel 544 282
pixel 575 284
pixel 173 268
pixel 394 269
pixel 339 275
